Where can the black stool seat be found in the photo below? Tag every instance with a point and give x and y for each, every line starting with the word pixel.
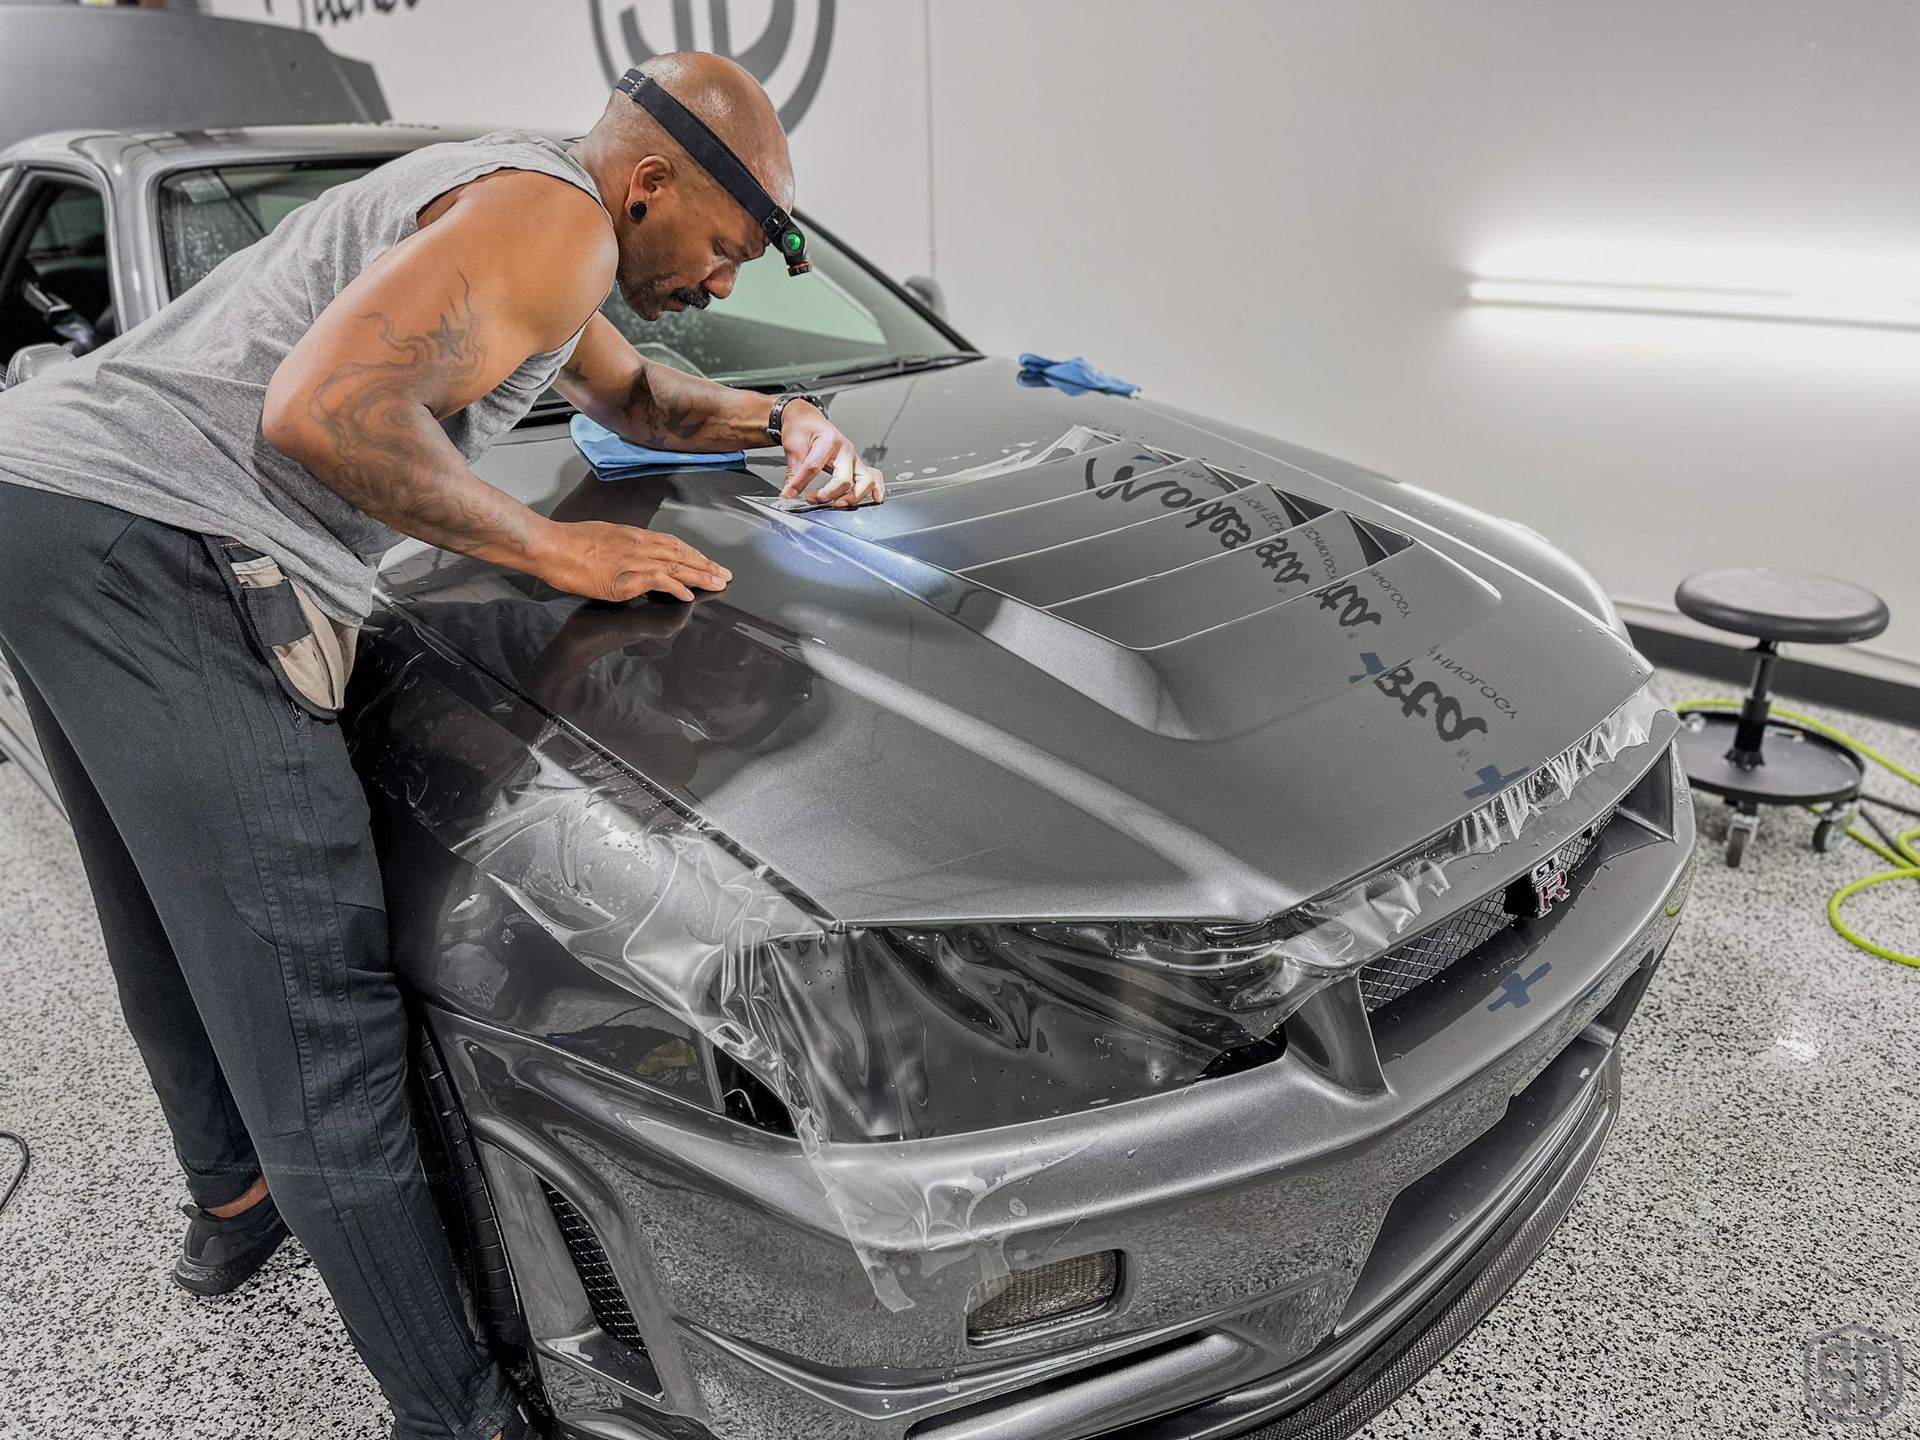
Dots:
pixel 1749 757
pixel 1782 605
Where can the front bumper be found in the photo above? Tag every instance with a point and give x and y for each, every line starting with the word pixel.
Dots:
pixel 1369 1363
pixel 1300 1241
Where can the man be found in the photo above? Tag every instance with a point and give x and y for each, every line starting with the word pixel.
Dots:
pixel 188 534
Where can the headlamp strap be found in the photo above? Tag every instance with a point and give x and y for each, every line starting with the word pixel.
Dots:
pixel 714 156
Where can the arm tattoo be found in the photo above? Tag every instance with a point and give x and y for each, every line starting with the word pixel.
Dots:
pixel 390 458
pixel 671 410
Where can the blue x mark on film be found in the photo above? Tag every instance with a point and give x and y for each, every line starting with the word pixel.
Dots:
pixel 1513 989
pixel 1372 665
pixel 1492 781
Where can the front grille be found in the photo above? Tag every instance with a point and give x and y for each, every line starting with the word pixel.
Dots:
pixel 1053 1292
pixel 604 1295
pixel 1435 951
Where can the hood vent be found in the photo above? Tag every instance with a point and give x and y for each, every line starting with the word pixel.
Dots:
pixel 1140 546
pixel 1192 600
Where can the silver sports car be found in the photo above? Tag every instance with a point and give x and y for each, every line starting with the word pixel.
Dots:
pixel 1130 937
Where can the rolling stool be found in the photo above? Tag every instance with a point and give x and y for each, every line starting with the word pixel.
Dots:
pixel 1748 758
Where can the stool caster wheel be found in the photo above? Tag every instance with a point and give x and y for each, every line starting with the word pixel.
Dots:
pixel 1740 830
pixel 1832 828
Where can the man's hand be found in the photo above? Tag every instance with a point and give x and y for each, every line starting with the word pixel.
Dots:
pixel 618 562
pixel 653 404
pixel 816 448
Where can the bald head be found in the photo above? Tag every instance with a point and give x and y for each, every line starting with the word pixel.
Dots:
pixel 725 97
pixel 682 237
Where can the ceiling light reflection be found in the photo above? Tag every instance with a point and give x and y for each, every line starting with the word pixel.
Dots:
pixel 1779 306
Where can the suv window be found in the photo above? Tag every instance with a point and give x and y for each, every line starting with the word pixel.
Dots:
pixel 772 330
pixel 54 282
pixel 206 215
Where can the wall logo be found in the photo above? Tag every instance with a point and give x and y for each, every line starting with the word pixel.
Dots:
pixel 788 56
pixel 1853 1375
pixel 335 12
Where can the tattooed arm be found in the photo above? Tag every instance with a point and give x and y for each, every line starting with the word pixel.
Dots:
pixel 656 405
pixel 664 408
pixel 507 268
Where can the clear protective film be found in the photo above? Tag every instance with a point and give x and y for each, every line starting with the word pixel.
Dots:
pixel 1336 934
pixel 892 1043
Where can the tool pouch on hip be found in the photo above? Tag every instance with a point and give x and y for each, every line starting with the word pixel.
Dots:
pixel 310 653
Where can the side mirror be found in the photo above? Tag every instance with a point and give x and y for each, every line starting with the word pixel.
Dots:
pixel 927 291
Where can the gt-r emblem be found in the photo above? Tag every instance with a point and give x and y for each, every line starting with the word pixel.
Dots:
pixel 1548 881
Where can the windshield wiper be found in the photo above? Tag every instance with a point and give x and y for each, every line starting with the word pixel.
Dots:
pixel 881 369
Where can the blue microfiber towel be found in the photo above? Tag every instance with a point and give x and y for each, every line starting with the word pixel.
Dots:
pixel 612 457
pixel 1074 376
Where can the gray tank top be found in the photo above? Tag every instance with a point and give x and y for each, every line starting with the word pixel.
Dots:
pixel 164 422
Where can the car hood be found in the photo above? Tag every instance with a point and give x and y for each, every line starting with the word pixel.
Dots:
pixel 1094 658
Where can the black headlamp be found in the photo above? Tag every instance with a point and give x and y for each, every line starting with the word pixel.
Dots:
pixel 712 154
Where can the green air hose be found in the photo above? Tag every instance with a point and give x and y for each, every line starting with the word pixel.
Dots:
pixel 1899 852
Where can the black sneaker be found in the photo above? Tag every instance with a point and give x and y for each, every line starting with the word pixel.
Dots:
pixel 221 1255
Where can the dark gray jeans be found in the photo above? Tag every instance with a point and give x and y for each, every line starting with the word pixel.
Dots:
pixel 226 839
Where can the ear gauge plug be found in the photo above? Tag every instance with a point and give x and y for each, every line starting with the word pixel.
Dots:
pixel 638 210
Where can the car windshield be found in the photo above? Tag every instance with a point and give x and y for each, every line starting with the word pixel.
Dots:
pixel 772 330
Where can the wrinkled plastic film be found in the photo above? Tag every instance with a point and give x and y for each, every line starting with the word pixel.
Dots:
pixel 1342 932
pixel 878 1039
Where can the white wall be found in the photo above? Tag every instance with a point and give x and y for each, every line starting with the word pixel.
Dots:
pixel 1304 188
pixel 1269 209
pixel 860 148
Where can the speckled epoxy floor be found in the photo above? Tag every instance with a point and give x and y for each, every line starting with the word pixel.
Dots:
pixel 1762 1185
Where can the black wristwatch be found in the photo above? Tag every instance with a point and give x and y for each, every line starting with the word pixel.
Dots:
pixel 780 404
